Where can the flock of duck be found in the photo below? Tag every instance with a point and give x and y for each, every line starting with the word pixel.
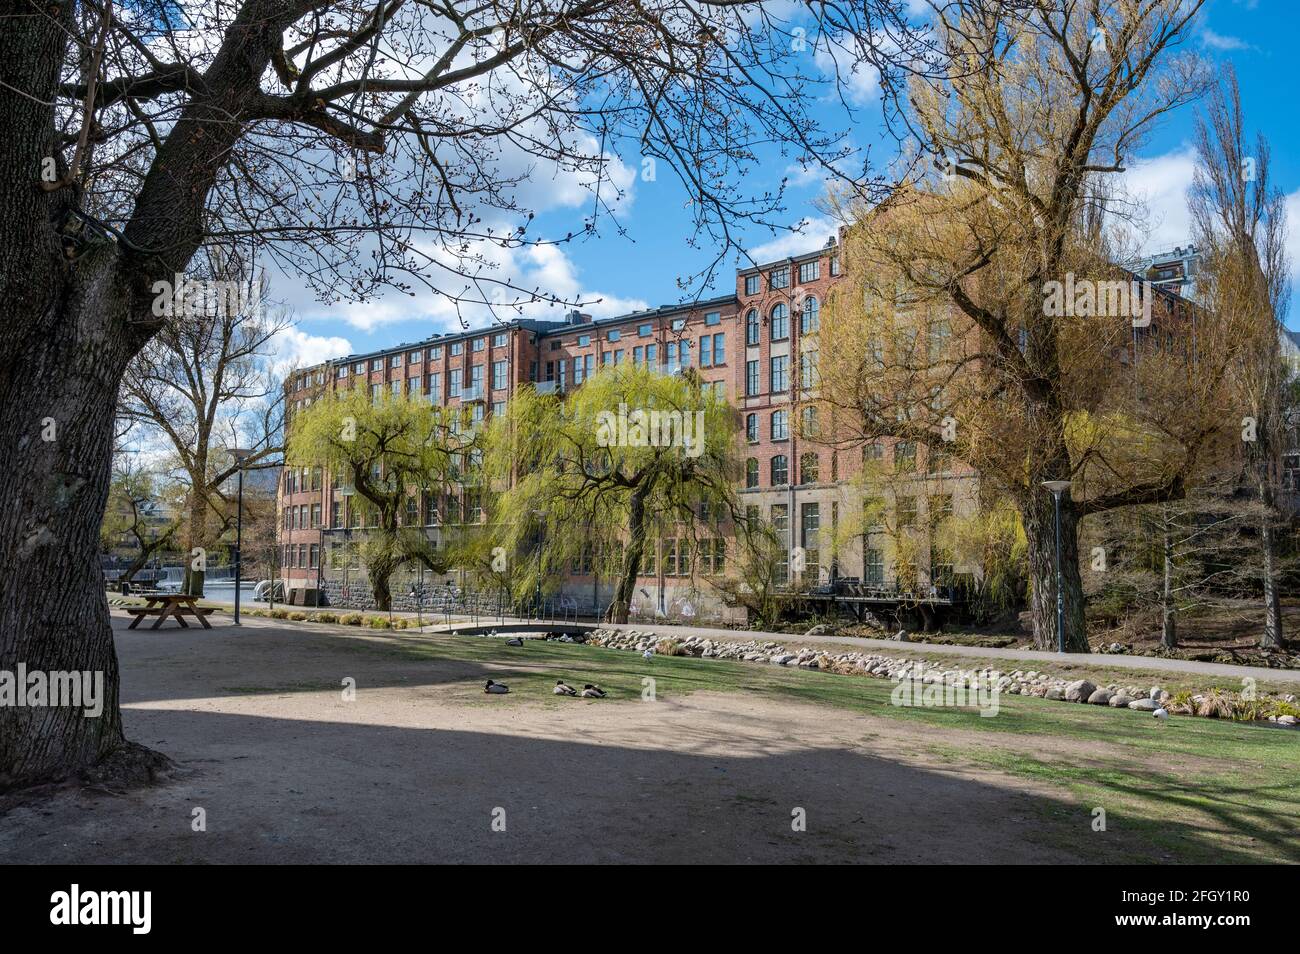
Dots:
pixel 562 688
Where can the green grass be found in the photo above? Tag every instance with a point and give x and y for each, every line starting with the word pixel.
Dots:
pixel 1191 790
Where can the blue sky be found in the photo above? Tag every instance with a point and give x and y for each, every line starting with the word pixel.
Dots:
pixel 642 267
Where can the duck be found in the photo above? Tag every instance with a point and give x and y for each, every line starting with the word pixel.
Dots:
pixel 1161 714
pixel 562 688
pixel 648 654
pixel 516 641
pixel 496 688
pixel 592 692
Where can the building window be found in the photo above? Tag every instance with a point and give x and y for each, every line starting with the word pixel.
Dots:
pixel 751 284
pixel 873 566
pixel 780 425
pixel 751 472
pixel 457 348
pixel 905 510
pixel 780 470
pixel 480 344
pixel 638 355
pixel 315 516
pixel 343 371
pixel 706 351
pixel 809 423
pixel 435 387
pixel 778 372
pixel 498 375
pixel 613 335
pixel 751 327
pixel 499 340
pixel 336 514
pixel 810 271
pixel 678 324
pixel 435 352
pixel 644 331
pixel 751 428
pixel 780 322
pixel 810 524
pixel 809 468
pixel 396 387
pixel 810 320
pixel 905 457
pixel 720 348
pixel 778 278
pixel 713 318
pixel 835 265
pixel 751 377
pixel 584 340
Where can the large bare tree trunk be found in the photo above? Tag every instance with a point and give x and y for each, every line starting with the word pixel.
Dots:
pixel 1040 530
pixel 57 396
pixel 196 539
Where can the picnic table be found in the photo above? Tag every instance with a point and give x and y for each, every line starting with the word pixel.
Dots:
pixel 174 605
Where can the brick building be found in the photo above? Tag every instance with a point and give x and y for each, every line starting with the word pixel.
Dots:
pixel 757 345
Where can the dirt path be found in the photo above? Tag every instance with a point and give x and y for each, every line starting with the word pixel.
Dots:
pixel 413 770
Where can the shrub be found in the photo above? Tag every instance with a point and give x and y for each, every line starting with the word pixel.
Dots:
pixel 279 614
pixel 298 617
pixel 352 619
pixel 379 622
pixel 327 618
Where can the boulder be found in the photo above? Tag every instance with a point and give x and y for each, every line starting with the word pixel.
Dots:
pixel 1100 697
pixel 1144 705
pixel 1054 694
pixel 1120 701
pixel 1079 691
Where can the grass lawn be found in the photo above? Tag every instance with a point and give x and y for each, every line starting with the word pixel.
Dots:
pixel 1198 790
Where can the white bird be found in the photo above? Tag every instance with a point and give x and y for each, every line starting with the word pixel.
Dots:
pixel 514 642
pixel 1161 714
pixel 496 688
pixel 592 692
pixel 648 654
pixel 562 688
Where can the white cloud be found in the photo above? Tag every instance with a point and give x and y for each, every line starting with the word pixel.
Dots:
pixel 1157 187
pixel 1218 41
pixel 810 234
pixel 294 347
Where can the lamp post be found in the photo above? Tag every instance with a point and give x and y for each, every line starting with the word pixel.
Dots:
pixel 240 457
pixel 1059 487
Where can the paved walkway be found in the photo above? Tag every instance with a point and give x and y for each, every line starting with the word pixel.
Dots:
pixel 1033 656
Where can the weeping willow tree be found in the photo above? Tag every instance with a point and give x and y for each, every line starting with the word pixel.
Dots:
pixel 387 448
pixel 599 472
pixel 982 312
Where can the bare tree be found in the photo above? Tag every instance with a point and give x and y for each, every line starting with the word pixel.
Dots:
pixel 204 382
pixel 1240 224
pixel 361 145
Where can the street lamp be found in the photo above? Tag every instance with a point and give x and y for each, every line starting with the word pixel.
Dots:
pixel 1058 487
pixel 240 456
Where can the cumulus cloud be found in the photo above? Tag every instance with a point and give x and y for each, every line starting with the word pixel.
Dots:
pixel 1158 188
pixel 810 233
pixel 293 347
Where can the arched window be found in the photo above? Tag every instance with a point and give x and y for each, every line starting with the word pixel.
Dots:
pixel 751 327
pixel 780 425
pixel 751 428
pixel 751 472
pixel 809 321
pixel 780 470
pixel 780 321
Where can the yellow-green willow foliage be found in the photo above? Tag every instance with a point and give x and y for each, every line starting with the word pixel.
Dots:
pixel 597 475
